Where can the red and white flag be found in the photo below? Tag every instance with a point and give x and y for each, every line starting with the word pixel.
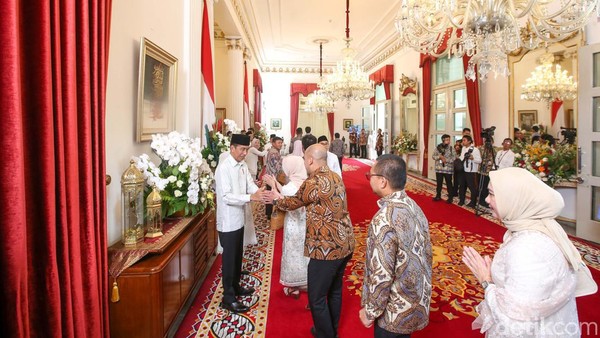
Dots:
pixel 206 67
pixel 246 104
pixel 558 118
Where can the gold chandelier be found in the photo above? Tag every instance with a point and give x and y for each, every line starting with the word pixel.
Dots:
pixel 487 30
pixel 348 81
pixel 318 101
pixel 546 84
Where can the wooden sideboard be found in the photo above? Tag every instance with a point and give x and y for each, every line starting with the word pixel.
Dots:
pixel 153 291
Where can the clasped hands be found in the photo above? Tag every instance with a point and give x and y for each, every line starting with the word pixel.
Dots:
pixel 265 196
pixel 480 266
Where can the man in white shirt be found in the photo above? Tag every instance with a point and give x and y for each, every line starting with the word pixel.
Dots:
pixel 332 160
pixel 471 158
pixel 234 188
pixel 505 158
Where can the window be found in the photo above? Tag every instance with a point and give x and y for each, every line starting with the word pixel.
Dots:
pixel 448 70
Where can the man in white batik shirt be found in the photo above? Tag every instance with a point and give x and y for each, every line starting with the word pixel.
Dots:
pixel 235 188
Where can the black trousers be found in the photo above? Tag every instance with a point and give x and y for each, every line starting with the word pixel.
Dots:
pixel 325 281
pixel 231 266
pixel 363 151
pixel 458 176
pixel 439 178
pixel 268 207
pixel 340 159
pixel 381 333
pixel 484 181
pixel 353 150
pixel 379 152
pixel 468 180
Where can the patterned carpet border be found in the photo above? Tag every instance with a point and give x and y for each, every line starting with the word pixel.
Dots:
pixel 212 321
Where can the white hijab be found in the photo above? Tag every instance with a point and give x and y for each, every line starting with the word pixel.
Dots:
pixel 293 167
pixel 524 202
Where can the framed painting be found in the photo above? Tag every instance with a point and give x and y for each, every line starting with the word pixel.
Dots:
pixel 156 91
pixel 527 118
pixel 220 114
pixel 347 123
pixel 276 124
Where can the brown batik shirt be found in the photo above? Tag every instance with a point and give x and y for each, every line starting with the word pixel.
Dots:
pixel 397 282
pixel 329 233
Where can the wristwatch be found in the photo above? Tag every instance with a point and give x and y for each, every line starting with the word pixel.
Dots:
pixel 485 284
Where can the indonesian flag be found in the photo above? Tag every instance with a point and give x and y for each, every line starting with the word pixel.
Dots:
pixel 558 118
pixel 246 105
pixel 206 67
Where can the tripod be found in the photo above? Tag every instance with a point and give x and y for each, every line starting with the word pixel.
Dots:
pixel 487 162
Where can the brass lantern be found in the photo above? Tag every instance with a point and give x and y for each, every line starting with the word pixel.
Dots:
pixel 132 209
pixel 154 214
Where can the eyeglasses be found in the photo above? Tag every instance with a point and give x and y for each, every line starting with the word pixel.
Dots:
pixel 369 175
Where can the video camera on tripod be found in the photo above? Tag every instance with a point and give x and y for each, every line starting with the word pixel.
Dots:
pixel 488 133
pixel 569 134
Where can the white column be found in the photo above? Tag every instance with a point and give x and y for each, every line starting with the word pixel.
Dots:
pixel 235 79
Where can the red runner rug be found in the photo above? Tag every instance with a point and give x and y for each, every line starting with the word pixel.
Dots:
pixel 455 291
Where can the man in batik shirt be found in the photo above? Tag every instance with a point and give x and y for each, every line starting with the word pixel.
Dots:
pixel 273 166
pixel 329 241
pixel 352 139
pixel 362 142
pixel 397 283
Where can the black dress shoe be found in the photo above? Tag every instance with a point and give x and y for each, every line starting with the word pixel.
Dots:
pixel 234 307
pixel 245 272
pixel 450 200
pixel 472 205
pixel 484 204
pixel 435 199
pixel 244 292
pixel 461 203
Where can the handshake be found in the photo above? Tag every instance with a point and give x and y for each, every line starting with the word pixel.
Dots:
pixel 267 196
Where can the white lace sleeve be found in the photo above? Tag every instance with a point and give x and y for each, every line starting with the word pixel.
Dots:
pixel 532 281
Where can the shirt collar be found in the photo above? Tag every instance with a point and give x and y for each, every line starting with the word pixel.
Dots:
pixel 396 196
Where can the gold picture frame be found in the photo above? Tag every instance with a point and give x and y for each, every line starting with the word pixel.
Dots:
pixel 347 123
pixel 527 118
pixel 156 91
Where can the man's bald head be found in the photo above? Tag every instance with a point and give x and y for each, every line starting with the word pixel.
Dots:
pixel 315 157
pixel 317 152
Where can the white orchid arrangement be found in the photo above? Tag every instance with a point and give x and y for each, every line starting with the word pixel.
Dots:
pixel 231 126
pixel 183 176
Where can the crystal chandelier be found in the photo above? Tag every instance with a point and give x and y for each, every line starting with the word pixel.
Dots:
pixel 348 81
pixel 318 101
pixel 546 84
pixel 487 30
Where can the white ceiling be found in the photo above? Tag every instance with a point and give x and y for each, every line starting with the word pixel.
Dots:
pixel 281 33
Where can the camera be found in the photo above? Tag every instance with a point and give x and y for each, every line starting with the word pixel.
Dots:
pixel 488 133
pixel 468 154
pixel 569 134
pixel 441 148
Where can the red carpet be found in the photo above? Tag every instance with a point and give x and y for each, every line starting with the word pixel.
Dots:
pixel 454 296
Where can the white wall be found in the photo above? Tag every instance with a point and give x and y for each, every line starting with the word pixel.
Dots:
pixel 175 27
pixel 276 98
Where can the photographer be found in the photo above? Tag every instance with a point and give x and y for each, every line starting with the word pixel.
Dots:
pixel 488 163
pixel 471 158
pixel 443 155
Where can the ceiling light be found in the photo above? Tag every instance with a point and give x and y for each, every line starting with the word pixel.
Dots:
pixel 487 30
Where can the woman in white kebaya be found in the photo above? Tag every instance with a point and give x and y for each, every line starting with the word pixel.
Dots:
pixel 530 285
pixel 294 264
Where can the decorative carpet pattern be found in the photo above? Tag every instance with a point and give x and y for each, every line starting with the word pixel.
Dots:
pixel 211 320
pixel 455 291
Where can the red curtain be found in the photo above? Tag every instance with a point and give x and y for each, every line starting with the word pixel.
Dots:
pixel 473 103
pixel 425 63
pixel 385 76
pixel 330 125
pixel 258 89
pixel 295 90
pixel 53 248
